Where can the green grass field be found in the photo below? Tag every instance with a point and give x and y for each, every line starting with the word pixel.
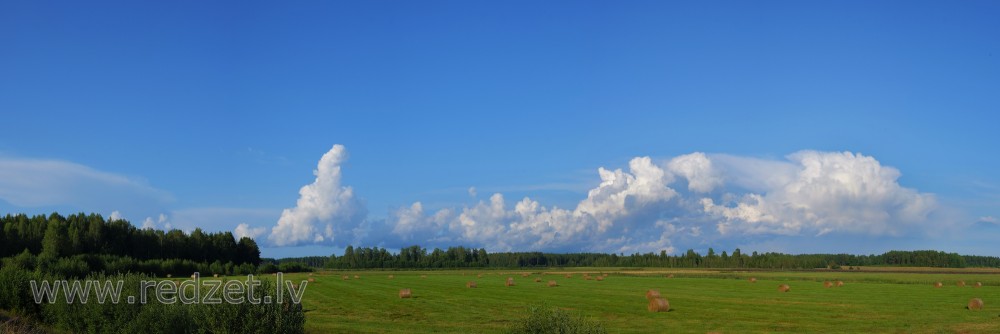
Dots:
pixel 701 301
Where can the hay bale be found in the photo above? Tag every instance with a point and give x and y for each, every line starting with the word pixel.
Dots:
pixel 479 276
pixel 525 274
pixel 310 274
pixel 827 284
pixel 345 277
pixel 510 281
pixel 553 284
pixel 569 276
pixel 753 280
pixel 470 284
pixel 960 284
pixel 605 275
pixel 423 276
pixel 658 304
pixel 538 279
pixel 588 278
pixel 652 294
pixel 938 285
pixel 312 280
pixel 600 278
pixel 357 277
pixel 784 288
pixel 670 276
pixel 405 293
pixel 169 275
pixel 978 285
pixel 392 276
pixel 840 283
pixel 975 304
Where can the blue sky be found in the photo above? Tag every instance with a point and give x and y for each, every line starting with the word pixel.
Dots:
pixel 212 115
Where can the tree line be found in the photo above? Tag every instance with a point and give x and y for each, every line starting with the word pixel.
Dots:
pixel 58 236
pixel 462 257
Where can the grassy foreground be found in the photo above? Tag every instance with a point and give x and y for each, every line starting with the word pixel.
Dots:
pixel 701 301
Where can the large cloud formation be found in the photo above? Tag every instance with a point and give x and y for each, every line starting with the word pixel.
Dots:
pixel 324 209
pixel 647 207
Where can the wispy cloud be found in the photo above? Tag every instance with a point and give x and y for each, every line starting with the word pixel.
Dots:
pixel 40 183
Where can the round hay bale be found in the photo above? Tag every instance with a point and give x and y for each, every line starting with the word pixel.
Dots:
pixel 658 304
pixel 600 278
pixel 538 279
pixel 840 283
pixel 525 274
pixel 345 277
pixel 605 275
pixel 753 280
pixel 405 293
pixel 194 276
pixel 553 284
pixel 357 277
pixel 589 278
pixel 169 275
pixel 470 284
pixel 215 275
pixel 938 285
pixel 423 276
pixel 652 294
pixel 670 276
pixel 392 276
pixel 310 274
pixel 784 288
pixel 960 284
pixel 312 280
pixel 827 284
pixel 978 285
pixel 510 281
pixel 975 304
pixel 569 276
pixel 479 276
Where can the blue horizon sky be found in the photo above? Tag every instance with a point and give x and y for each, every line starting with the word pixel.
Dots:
pixel 216 114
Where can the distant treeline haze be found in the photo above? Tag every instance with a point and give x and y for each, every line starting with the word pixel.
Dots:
pixel 461 257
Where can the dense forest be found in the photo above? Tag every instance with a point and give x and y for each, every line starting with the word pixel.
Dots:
pixel 461 257
pixel 83 243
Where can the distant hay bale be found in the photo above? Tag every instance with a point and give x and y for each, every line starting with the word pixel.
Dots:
pixel 588 278
pixel 470 284
pixel 193 276
pixel 357 277
pixel 479 276
pixel 975 304
pixel 525 274
pixel 345 277
pixel 600 278
pixel 392 276
pixel 169 275
pixel 569 276
pixel 753 280
pixel 658 304
pixel 652 294
pixel 827 284
pixel 840 283
pixel 510 281
pixel 215 275
pixel 310 274
pixel 553 284
pixel 423 276
pixel 960 284
pixel 670 276
pixel 784 288
pixel 538 279
pixel 405 293
pixel 605 275
pixel 978 285
pixel 938 285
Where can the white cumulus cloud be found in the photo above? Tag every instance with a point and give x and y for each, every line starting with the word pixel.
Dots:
pixel 244 230
pixel 689 200
pixel 323 209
